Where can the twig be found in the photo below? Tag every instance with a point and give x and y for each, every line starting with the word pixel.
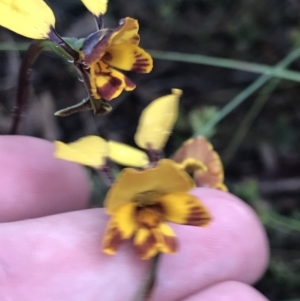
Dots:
pixel 30 57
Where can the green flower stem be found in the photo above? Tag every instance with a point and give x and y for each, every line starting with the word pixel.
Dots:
pixel 247 122
pixel 14 47
pixel 236 101
pixel 225 63
pixel 275 220
pixel 195 59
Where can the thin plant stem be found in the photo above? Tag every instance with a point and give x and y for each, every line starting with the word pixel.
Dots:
pixel 195 59
pixel 99 21
pixel 225 63
pixel 275 220
pixel 235 102
pixel 154 155
pixel 242 96
pixel 106 173
pixel 145 291
pixel 247 122
pixel 14 47
pixel 30 57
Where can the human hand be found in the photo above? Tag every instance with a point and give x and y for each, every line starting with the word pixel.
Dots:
pixel 49 256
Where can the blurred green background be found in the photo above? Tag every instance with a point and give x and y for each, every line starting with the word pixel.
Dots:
pixel 257 135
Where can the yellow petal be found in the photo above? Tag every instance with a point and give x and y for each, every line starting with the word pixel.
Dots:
pixel 30 18
pixel 121 226
pixel 150 241
pixel 127 155
pixel 167 242
pixel 191 165
pixel 166 177
pixel 108 83
pixel 221 186
pixel 96 70
pixel 214 176
pixel 149 216
pixel 157 121
pixel 183 208
pixel 126 32
pixel 90 151
pixel 128 57
pixel 145 243
pixel 96 7
pixel 201 150
pixel 110 86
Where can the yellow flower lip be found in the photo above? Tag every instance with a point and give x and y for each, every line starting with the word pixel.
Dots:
pixel 147 198
pixel 166 177
pixel 141 202
pixel 149 216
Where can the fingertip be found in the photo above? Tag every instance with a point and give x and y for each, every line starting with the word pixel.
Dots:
pixel 232 247
pixel 227 291
pixel 34 183
pixel 235 216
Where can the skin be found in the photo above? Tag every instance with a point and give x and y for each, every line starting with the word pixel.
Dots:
pixel 51 245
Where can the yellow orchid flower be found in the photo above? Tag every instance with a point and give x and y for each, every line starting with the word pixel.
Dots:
pixel 96 7
pixel 157 121
pixel 198 157
pixel 117 48
pixel 93 151
pixel 31 18
pixel 141 202
pixel 97 58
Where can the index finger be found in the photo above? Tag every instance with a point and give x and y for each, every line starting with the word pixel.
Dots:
pixel 33 183
pixel 63 255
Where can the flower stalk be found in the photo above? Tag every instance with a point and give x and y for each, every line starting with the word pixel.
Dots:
pixel 33 52
pixel 148 285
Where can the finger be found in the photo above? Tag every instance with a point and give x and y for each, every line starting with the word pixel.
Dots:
pixel 227 291
pixel 233 247
pixel 63 256
pixel 33 183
